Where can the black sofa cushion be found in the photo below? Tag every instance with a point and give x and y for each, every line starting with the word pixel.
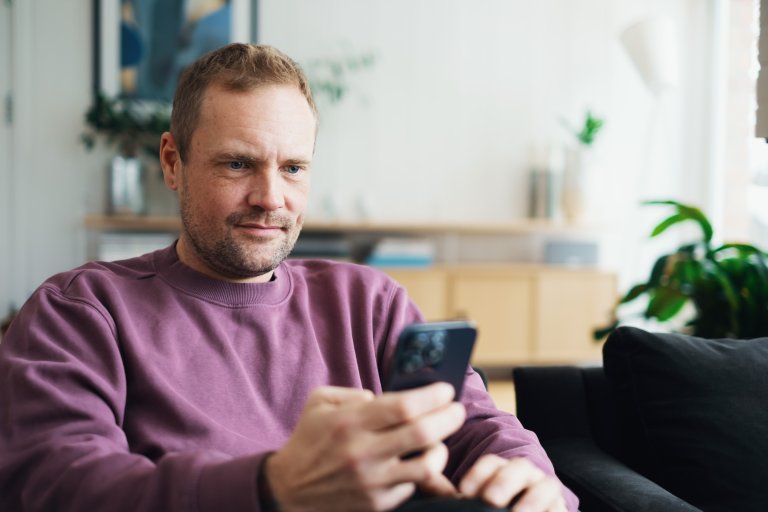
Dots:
pixel 604 484
pixel 698 411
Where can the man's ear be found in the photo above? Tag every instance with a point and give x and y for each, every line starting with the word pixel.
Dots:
pixel 170 161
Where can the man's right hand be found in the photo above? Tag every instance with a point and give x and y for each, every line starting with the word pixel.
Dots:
pixel 346 451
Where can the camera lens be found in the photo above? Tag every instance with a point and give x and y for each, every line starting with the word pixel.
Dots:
pixel 412 362
pixel 433 353
pixel 439 336
pixel 419 341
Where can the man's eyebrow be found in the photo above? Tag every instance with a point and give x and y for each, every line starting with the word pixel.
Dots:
pixel 239 157
pixel 297 161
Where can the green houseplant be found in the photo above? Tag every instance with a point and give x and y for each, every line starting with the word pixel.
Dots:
pixel 726 285
pixel 579 165
pixel 131 127
pixel 128 125
pixel 589 129
pixel 330 77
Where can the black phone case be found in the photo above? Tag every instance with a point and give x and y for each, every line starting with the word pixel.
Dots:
pixel 432 352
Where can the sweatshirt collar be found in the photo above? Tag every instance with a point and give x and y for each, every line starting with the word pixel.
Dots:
pixel 224 293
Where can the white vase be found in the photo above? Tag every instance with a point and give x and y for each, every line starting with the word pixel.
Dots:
pixel 575 175
pixel 126 186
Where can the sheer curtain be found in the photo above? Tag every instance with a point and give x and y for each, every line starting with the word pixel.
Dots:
pixel 758 146
pixel 761 127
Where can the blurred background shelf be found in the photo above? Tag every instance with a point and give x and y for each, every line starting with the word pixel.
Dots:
pixel 522 240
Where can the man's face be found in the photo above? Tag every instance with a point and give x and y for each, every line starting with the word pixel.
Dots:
pixel 243 186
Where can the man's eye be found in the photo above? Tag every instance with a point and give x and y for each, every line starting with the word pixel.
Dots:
pixel 294 169
pixel 236 166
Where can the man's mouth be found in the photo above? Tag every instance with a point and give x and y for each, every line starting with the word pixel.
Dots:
pixel 262 230
pixel 252 225
pixel 262 226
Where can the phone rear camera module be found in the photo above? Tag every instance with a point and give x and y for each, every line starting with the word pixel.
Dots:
pixel 439 336
pixel 419 341
pixel 433 353
pixel 412 362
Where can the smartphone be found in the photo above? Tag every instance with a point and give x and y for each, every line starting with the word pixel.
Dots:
pixel 431 352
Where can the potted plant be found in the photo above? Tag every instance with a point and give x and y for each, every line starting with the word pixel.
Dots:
pixel 726 285
pixel 330 77
pixel 577 166
pixel 131 127
pixel 589 129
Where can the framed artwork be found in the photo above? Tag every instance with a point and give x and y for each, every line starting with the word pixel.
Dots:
pixel 142 46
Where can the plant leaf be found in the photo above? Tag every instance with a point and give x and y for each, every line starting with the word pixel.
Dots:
pixel 666 223
pixel 729 291
pixel 690 212
pixel 634 293
pixel 589 130
pixel 657 271
pixel 601 332
pixel 665 304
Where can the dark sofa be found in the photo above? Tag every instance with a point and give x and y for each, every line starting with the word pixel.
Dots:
pixel 668 423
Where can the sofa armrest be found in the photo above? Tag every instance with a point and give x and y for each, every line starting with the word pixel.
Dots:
pixel 604 484
pixel 551 401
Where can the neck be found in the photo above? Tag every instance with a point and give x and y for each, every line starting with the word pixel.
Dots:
pixel 189 256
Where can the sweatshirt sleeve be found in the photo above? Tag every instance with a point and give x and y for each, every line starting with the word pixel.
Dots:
pixel 62 446
pixel 488 430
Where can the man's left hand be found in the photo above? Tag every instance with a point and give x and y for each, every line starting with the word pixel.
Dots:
pixel 498 481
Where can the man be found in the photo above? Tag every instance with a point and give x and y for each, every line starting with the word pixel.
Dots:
pixel 215 375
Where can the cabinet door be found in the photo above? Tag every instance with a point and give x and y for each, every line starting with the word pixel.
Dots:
pixel 426 288
pixel 500 305
pixel 570 305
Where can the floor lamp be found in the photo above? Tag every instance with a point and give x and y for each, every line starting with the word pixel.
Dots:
pixel 652 47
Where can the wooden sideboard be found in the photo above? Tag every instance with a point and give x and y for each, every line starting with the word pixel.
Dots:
pixel 524 313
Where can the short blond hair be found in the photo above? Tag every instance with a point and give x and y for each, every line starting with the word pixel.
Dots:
pixel 236 67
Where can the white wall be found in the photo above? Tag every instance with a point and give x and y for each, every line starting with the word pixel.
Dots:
pixel 441 127
pixel 50 171
pixel 5 158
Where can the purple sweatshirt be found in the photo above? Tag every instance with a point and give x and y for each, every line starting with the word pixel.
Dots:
pixel 145 385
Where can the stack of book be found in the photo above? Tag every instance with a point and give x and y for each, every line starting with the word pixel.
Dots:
pixel 402 252
pixel 326 247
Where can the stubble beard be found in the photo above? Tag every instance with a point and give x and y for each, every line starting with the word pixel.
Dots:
pixel 240 259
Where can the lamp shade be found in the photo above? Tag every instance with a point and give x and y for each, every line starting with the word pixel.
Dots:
pixel 652 46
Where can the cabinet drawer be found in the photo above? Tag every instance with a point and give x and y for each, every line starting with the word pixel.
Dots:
pixel 427 288
pixel 570 305
pixel 501 306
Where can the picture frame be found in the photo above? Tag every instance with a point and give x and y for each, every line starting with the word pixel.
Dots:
pixel 141 46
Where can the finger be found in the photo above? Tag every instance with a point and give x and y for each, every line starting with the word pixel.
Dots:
pixel 421 433
pixel 392 497
pixel 395 408
pixel 543 495
pixel 480 473
pixel 435 482
pixel 425 470
pixel 439 485
pixel 514 477
pixel 435 458
pixel 336 395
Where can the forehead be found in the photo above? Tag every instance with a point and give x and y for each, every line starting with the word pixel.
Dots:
pixel 269 112
pixel 268 99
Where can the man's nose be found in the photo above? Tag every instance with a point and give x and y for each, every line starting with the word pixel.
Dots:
pixel 266 191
